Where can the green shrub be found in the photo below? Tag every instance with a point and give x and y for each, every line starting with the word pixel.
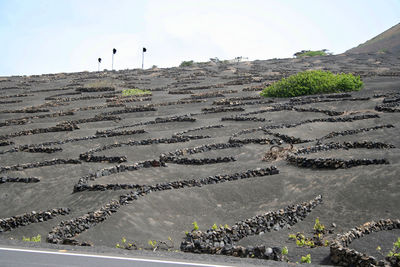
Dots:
pixel 310 53
pixel 306 259
pixel 195 226
pixel 37 238
pixel 186 63
pixel 313 82
pixel 135 91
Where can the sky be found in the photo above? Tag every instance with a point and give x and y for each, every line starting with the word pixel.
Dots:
pixel 51 36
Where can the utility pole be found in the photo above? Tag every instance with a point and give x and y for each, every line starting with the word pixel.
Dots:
pixel 144 50
pixel 98 66
pixel 112 63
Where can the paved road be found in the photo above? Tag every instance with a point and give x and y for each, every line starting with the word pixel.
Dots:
pixel 16 257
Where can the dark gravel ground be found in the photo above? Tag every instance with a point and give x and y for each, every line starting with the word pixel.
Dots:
pixel 351 196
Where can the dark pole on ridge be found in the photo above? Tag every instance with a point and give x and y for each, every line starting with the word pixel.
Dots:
pixel 99 60
pixel 112 63
pixel 144 50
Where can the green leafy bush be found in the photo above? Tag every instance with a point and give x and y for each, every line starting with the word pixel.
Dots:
pixel 186 63
pixel 37 238
pixel 306 259
pixel 195 226
pixel 313 82
pixel 135 91
pixel 310 53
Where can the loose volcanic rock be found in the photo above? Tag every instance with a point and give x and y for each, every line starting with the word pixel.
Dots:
pixel 19 167
pixel 6 179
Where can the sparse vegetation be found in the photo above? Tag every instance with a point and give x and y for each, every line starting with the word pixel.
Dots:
pixel 186 63
pixel 306 259
pixel 310 53
pixel 135 91
pixel 214 227
pixel 195 226
pixel 125 245
pixel 37 238
pixel 395 252
pixel 313 82
pixel 285 251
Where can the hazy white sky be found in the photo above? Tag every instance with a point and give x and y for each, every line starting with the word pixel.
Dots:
pixel 49 36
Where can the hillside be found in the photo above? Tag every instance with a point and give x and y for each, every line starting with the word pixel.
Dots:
pixel 86 160
pixel 388 42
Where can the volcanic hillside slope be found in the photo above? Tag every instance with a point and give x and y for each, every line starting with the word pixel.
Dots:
pixel 386 42
pixel 82 163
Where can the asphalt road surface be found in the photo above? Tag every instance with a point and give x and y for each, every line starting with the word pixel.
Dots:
pixel 17 257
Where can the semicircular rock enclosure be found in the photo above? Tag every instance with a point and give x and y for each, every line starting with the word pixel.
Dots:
pixel 196 161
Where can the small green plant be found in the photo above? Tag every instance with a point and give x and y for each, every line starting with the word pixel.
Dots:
pixel 313 82
pixel 125 245
pixel 37 238
pixel 306 259
pixel 312 53
pixel 318 227
pixel 195 226
pixel 153 243
pixel 395 252
pixel 285 251
pixel 186 63
pixel 226 226
pixel 128 92
pixel 214 227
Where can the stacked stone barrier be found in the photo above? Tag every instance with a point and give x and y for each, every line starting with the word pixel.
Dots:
pixel 241 118
pixel 129 110
pixel 6 179
pixel 332 163
pixel 229 101
pixel 199 129
pixel 11 102
pixel 355 131
pixel 70 229
pixel 24 120
pixel 95 89
pixel 344 145
pixel 6 142
pixel 287 138
pixel 342 255
pixel 261 141
pixel 7 224
pixel 61 127
pixel 19 167
pixel 221 109
pixel 181 118
pixel 222 240
pixel 40 149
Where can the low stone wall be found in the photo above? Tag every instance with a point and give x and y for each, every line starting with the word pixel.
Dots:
pixel 344 256
pixel 331 163
pixel 24 120
pixel 6 179
pixel 221 109
pixel 7 224
pixel 356 131
pixel 240 118
pixel 61 127
pixel 199 129
pixel 19 167
pixel 129 110
pixel 261 141
pixel 221 240
pixel 95 89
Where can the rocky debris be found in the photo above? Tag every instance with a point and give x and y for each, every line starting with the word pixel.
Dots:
pixel 95 89
pixel 5 179
pixel 180 92
pixel 389 106
pixel 331 163
pixel 181 118
pixel 129 110
pixel 327 112
pixel 344 145
pixel 220 109
pixel 61 127
pixel 20 167
pixel 355 131
pixel 199 129
pixel 322 100
pixel 7 224
pixel 277 153
pixel 221 240
pixel 17 95
pixel 341 255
